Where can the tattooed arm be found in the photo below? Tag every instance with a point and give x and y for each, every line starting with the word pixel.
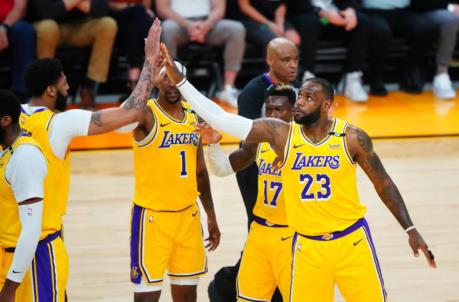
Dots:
pixel 205 196
pixel 361 149
pixel 132 110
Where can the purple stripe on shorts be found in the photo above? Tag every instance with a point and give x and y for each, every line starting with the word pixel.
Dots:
pixel 45 282
pixel 136 274
pixel 366 230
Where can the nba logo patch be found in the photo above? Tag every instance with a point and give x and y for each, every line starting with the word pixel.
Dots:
pixel 29 211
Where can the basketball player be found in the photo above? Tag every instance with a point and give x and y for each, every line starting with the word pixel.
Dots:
pixel 170 173
pixel 332 243
pixel 22 177
pixel 48 86
pixel 266 259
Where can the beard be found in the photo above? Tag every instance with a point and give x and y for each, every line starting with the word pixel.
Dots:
pixel 309 119
pixel 173 102
pixel 61 102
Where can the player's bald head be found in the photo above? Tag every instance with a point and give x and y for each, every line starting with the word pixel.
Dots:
pixel 278 47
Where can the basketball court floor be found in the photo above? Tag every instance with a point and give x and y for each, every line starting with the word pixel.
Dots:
pixel 418 141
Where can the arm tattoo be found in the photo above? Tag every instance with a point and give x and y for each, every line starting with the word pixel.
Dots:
pixel 364 141
pixel 273 124
pixel 385 187
pixel 141 93
pixel 96 119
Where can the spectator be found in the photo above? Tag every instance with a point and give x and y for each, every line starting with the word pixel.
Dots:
pixel 446 16
pixel 17 37
pixel 134 18
pixel 393 17
pixel 202 21
pixel 264 20
pixel 77 23
pixel 339 19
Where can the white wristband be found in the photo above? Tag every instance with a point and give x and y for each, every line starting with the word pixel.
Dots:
pixel 410 228
pixel 451 8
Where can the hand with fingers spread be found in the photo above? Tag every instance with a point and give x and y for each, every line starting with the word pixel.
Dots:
pixel 417 243
pixel 152 43
pixel 174 75
pixel 208 134
pixel 214 234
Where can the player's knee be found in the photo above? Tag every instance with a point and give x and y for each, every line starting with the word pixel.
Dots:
pixel 182 293
pixel 147 297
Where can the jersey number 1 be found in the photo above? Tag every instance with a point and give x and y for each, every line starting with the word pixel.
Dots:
pixel 183 171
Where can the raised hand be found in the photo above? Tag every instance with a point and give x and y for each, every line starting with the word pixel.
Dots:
pixel 152 43
pixel 417 243
pixel 174 75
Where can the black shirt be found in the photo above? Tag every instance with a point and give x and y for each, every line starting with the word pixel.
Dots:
pixel 251 99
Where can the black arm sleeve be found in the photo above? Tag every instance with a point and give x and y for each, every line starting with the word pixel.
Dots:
pixel 250 101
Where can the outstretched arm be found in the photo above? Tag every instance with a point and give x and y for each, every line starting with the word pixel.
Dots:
pixel 220 163
pixel 269 130
pixel 131 111
pixel 206 200
pixel 361 148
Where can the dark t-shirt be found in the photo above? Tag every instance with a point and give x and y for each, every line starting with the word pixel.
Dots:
pixel 267 7
pixel 251 98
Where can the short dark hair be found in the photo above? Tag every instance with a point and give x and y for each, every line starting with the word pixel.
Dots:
pixel 9 105
pixel 281 90
pixel 42 73
pixel 327 88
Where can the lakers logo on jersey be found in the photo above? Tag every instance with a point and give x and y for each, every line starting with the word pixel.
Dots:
pixel 170 139
pixel 267 168
pixel 270 203
pixel 320 182
pixel 165 164
pixel 305 161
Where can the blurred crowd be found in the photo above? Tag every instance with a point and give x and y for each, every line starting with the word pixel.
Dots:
pixel 32 29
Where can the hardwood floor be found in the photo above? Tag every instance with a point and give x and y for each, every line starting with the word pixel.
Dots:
pixel 426 171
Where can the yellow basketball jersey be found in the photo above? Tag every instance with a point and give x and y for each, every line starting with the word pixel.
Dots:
pixel 10 225
pixel 319 180
pixel 165 162
pixel 37 125
pixel 270 203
